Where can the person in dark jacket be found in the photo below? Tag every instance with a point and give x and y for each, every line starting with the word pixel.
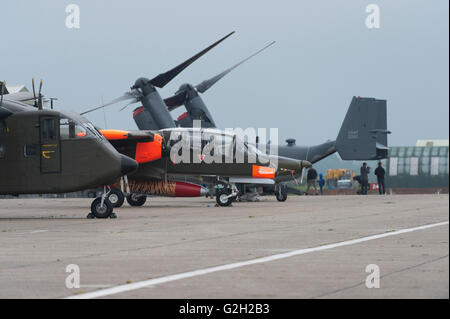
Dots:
pixel 311 180
pixel 380 172
pixel 364 176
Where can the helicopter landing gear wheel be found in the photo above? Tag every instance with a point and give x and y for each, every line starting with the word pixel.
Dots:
pixel 116 197
pixel 101 208
pixel 281 193
pixel 224 197
pixel 136 200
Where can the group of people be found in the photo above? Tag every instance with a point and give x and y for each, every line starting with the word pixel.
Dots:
pixel 363 178
pixel 311 181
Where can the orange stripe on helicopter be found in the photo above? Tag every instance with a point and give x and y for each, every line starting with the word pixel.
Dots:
pixel 115 134
pixel 263 172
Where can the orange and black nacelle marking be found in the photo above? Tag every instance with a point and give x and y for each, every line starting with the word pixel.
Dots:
pixel 137 111
pixel 112 135
pixel 149 151
pixel 143 146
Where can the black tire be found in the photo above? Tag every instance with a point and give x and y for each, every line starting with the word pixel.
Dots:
pixel 101 212
pixel 136 200
pixel 281 193
pixel 221 198
pixel 116 197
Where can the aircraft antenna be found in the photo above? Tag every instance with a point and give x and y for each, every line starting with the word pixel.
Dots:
pixel 51 101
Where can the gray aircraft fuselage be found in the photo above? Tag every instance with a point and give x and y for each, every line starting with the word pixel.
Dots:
pixel 195 164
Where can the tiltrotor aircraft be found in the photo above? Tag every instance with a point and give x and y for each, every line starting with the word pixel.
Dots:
pixel 160 177
pixel 363 134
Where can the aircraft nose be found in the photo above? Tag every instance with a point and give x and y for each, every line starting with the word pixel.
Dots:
pixel 128 165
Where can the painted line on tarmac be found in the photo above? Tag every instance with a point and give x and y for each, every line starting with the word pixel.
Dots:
pixel 38 231
pixel 200 272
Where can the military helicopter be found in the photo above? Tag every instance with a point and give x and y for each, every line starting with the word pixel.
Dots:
pixel 154 177
pixel 48 151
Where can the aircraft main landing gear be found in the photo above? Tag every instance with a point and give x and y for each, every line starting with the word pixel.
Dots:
pixel 281 193
pixel 101 207
pixel 136 200
pixel 116 197
pixel 226 195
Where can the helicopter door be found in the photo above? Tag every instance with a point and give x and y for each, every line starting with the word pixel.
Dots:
pixel 50 145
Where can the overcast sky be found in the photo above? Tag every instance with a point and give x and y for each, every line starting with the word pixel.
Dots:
pixel 303 84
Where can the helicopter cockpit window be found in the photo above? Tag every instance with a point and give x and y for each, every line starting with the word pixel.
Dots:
pixel 95 132
pixel 69 129
pixel 48 129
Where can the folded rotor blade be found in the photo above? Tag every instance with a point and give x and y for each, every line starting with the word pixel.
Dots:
pixel 40 95
pixel 132 101
pixel 205 85
pixel 40 87
pixel 34 91
pixel 132 95
pixel 162 79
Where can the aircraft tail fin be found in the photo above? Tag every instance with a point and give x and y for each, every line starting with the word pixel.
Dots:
pixel 363 134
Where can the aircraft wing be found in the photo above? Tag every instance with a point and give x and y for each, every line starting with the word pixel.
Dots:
pixel 135 136
pixel 250 180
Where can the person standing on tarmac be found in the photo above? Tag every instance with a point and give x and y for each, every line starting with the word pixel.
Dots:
pixel 321 183
pixel 311 180
pixel 365 170
pixel 380 172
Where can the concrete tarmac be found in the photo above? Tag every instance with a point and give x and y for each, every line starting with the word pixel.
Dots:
pixel 39 238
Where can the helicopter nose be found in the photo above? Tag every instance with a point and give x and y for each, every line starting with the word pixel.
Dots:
pixel 128 165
